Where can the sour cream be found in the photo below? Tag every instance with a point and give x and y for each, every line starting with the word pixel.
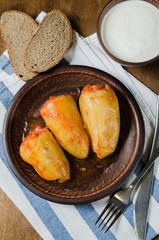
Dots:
pixel 130 31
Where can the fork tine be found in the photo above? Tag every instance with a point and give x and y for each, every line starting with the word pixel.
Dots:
pixel 111 207
pixel 114 220
pixel 112 214
pixel 104 210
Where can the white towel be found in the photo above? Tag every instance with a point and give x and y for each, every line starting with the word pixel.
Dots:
pixel 58 221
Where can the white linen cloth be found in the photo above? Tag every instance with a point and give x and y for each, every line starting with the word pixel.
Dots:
pixel 58 221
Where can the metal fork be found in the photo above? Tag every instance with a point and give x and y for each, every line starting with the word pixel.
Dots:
pixel 122 199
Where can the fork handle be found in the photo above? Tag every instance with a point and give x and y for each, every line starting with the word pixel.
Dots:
pixel 154 150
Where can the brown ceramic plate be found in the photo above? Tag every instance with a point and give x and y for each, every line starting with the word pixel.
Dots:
pixel 92 178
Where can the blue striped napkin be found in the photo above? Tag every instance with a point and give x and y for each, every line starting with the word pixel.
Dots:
pixel 57 221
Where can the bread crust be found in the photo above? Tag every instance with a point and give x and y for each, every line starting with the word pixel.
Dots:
pixel 68 44
pixel 6 42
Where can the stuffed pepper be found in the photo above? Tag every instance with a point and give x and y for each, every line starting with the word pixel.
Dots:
pixel 100 112
pixel 41 150
pixel 62 117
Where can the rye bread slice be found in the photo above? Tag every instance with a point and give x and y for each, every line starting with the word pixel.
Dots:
pixel 17 30
pixel 49 45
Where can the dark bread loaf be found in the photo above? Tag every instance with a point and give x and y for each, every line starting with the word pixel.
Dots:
pixel 17 30
pixel 49 45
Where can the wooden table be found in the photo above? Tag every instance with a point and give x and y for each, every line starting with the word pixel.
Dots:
pixel 83 16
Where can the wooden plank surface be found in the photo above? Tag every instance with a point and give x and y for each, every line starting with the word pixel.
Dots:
pixel 83 15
